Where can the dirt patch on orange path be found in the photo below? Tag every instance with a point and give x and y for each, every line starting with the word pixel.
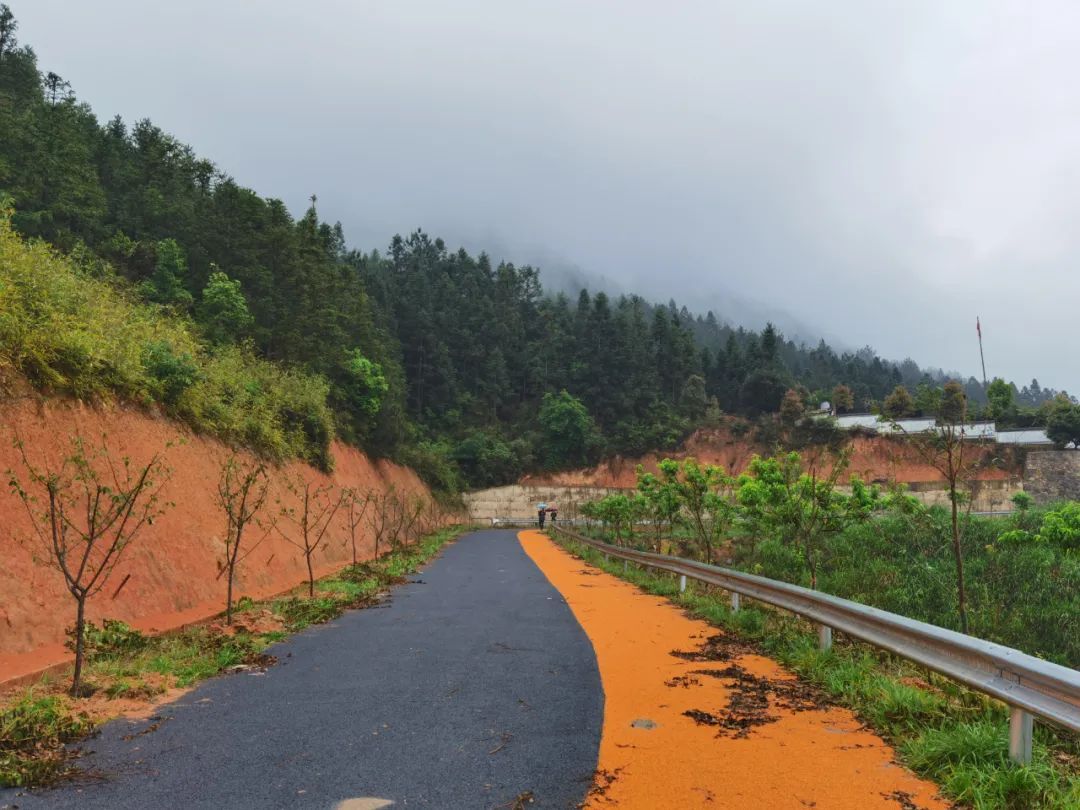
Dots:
pixel 693 718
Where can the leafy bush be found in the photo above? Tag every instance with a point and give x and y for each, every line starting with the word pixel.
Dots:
pixel 1062 527
pixel 173 373
pixel 113 638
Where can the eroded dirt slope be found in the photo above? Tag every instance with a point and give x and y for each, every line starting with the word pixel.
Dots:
pixel 172 569
pixel 879 459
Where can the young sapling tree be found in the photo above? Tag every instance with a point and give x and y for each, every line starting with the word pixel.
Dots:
pixel 945 448
pixel 357 505
pixel 803 508
pixel 242 492
pixel 85 514
pixel 380 516
pixel 311 516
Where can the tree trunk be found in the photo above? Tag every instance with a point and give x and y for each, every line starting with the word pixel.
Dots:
pixel 80 627
pixel 958 553
pixel 310 575
pixel 228 596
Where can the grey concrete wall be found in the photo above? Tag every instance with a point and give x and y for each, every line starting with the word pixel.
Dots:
pixel 518 501
pixel 1052 475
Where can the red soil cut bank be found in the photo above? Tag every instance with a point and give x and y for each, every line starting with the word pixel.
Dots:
pixel 173 565
pixel 877 459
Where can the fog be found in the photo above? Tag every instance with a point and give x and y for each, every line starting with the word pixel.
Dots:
pixel 879 174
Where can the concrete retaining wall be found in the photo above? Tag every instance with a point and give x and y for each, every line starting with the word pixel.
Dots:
pixel 1052 475
pixel 519 501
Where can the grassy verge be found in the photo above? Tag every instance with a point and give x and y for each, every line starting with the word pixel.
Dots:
pixel 943 731
pixel 127 668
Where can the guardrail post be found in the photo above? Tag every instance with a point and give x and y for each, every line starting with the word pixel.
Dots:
pixel 682 583
pixel 1020 729
pixel 735 602
pixel 625 566
pixel 824 635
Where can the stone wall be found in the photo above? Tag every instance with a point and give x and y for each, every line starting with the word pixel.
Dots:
pixel 1052 475
pixel 986 496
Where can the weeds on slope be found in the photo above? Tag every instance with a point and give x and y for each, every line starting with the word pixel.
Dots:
pixel 127 669
pixel 943 731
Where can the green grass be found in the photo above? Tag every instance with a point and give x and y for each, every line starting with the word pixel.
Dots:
pixel 33 732
pixel 124 663
pixel 970 762
pixel 943 731
pixel 186 657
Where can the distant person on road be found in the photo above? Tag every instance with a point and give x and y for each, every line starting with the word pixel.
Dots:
pixel 553 510
pixel 541 513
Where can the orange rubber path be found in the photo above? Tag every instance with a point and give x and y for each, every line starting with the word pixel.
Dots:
pixel 653 757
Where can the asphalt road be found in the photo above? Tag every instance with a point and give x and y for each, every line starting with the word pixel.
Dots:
pixel 472 686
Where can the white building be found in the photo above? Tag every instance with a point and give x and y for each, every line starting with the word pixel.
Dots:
pixel 1033 436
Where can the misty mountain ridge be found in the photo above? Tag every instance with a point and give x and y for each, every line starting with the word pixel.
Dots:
pixel 559 274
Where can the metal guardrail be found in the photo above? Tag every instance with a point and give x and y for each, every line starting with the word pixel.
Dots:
pixel 532 521
pixel 1029 685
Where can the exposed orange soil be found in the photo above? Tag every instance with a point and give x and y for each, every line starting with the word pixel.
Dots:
pixel 873 459
pixel 173 565
pixel 654 756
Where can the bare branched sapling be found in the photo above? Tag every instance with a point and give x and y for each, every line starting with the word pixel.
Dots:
pixel 242 492
pixel 395 516
pixel 358 505
pixel 410 518
pixel 381 516
pixel 85 514
pixel 311 516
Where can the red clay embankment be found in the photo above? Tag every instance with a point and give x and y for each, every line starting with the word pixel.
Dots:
pixel 173 565
pixel 873 458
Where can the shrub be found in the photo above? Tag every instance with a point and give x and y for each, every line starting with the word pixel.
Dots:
pixel 113 638
pixel 172 373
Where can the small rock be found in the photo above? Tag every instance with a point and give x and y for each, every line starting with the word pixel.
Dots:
pixel 644 722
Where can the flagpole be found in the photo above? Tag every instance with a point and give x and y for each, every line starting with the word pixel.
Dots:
pixel 982 357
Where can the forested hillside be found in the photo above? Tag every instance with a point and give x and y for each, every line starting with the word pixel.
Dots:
pixel 465 369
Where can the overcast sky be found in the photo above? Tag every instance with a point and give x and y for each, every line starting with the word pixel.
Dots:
pixel 882 173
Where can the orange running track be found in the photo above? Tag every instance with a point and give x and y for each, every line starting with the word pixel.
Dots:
pixel 653 756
